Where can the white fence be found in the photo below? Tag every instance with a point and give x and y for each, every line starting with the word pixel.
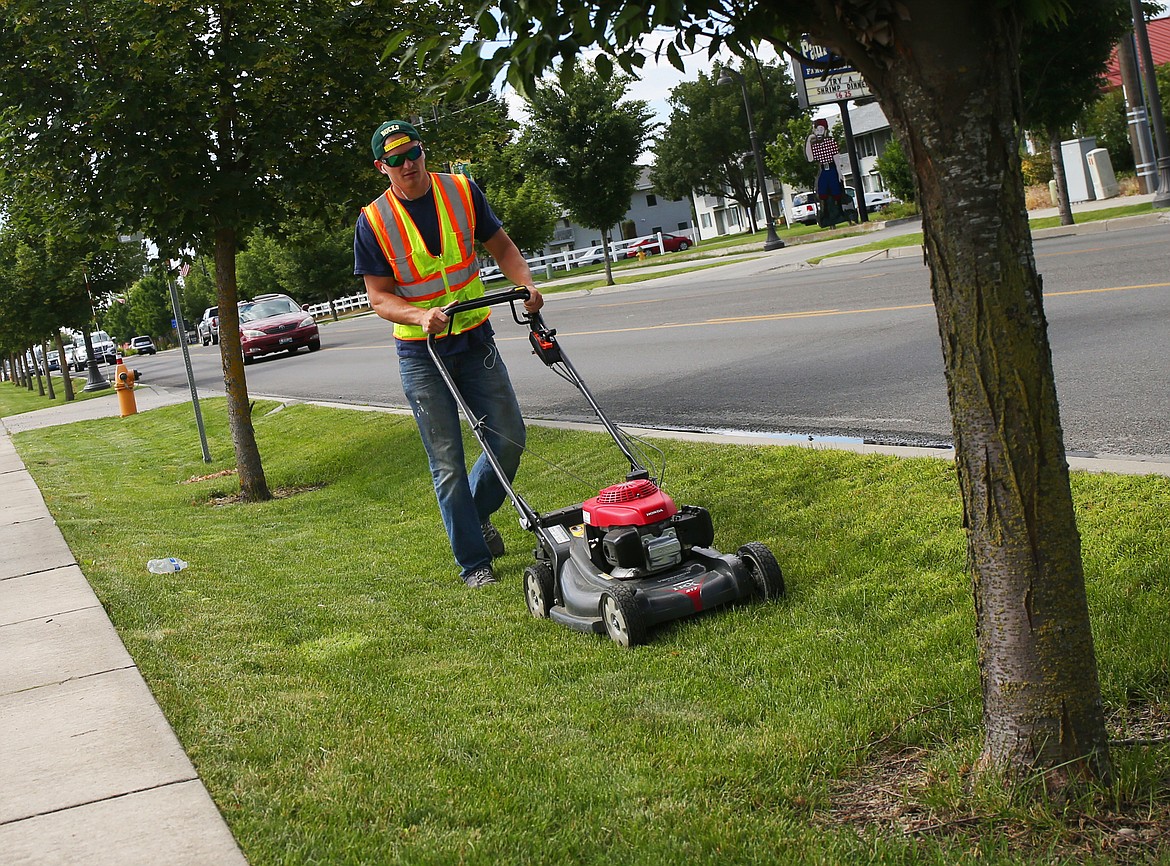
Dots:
pixel 565 261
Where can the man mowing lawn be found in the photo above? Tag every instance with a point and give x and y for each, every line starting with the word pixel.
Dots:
pixel 414 247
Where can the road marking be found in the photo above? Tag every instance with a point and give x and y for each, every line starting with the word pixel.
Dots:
pixel 1106 289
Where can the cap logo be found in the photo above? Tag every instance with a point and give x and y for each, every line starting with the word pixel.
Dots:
pixel 389 145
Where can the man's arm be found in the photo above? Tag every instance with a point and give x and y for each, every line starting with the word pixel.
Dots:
pixel 513 266
pixel 383 301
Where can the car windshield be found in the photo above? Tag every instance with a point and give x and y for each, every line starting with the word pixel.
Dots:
pixel 264 309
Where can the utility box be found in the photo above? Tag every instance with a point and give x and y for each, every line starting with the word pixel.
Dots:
pixel 1074 154
pixel 1101 171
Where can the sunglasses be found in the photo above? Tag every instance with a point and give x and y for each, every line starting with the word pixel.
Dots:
pixel 398 159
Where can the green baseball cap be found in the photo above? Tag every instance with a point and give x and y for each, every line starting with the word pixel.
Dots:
pixel 391 134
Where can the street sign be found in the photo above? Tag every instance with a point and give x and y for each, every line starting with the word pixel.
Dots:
pixel 829 78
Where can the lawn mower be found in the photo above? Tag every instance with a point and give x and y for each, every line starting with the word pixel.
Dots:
pixel 628 558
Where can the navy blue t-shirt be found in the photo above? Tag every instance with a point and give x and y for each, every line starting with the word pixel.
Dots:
pixel 368 258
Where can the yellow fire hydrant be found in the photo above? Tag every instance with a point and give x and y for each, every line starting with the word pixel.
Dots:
pixel 124 384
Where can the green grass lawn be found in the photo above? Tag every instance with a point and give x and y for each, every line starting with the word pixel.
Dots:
pixel 348 701
pixel 915 239
pixel 15 399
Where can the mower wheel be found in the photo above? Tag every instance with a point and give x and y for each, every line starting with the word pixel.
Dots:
pixel 538 589
pixel 763 568
pixel 623 619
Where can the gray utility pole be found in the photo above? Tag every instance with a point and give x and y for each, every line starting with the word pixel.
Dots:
pixel 772 240
pixel 1153 103
pixel 1139 124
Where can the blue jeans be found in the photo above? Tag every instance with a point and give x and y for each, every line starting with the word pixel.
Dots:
pixel 466 499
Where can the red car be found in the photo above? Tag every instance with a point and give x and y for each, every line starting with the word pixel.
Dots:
pixel 275 323
pixel 673 244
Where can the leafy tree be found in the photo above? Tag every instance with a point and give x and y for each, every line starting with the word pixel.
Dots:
pixel 63 265
pixel 586 140
pixel 1062 70
pixel 117 322
pixel 151 312
pixel 946 75
pixel 316 261
pixel 1105 121
pixel 198 290
pixel 706 146
pixel 896 172
pixel 256 265
pixel 522 199
pixel 194 123
pixel 785 155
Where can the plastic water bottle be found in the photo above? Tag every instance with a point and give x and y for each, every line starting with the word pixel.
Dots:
pixel 166 566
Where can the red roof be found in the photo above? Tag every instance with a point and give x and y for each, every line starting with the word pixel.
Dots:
pixel 1159 31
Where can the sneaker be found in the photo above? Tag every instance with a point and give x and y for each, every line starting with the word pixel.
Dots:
pixel 480 577
pixel 495 541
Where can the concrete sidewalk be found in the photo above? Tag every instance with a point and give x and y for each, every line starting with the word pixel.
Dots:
pixel 90 771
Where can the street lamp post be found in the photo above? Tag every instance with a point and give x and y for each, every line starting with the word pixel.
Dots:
pixel 772 241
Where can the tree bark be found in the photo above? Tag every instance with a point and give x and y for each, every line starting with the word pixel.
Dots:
pixel 949 85
pixel 253 485
pixel 32 353
pixel 48 372
pixel 605 241
pixel 66 369
pixel 1061 178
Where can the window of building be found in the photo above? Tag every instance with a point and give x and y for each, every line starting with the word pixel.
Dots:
pixel 651 200
pixel 705 220
pixel 655 230
pixel 682 227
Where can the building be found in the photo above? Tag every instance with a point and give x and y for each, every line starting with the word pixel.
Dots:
pixel 1158 32
pixel 649 213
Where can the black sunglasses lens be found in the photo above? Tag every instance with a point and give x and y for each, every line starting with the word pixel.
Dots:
pixel 398 159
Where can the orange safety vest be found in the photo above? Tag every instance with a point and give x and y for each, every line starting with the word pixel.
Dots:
pixel 426 281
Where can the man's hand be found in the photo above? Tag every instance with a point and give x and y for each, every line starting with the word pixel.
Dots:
pixel 535 300
pixel 434 321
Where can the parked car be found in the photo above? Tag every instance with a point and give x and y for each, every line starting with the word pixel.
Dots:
pixel 54 360
pixel 649 246
pixel 104 349
pixel 805 208
pixel 591 256
pixel 880 199
pixel 209 326
pixel 275 323
pixel 143 345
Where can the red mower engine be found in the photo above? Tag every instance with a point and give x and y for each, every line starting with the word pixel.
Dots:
pixel 635 529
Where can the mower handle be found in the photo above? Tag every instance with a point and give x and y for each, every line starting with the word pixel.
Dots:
pixel 508 297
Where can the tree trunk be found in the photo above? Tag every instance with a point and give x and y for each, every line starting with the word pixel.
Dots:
pixel 951 79
pixel 66 369
pixel 1058 174
pixel 605 240
pixel 253 485
pixel 48 372
pixel 36 370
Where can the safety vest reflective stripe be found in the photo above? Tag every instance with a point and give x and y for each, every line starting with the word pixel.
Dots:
pixel 425 280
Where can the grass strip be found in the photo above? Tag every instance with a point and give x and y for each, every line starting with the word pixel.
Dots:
pixel 15 399
pixel 348 701
pixel 915 239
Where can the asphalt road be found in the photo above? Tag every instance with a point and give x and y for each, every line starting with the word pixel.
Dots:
pixel 773 346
